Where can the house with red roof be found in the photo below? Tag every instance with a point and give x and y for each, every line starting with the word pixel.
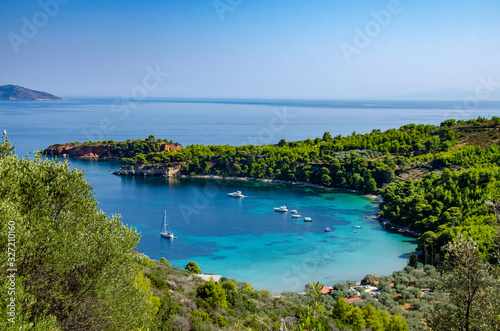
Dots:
pixel 351 300
pixel 326 289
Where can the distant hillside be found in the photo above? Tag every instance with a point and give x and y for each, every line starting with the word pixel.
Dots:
pixel 14 92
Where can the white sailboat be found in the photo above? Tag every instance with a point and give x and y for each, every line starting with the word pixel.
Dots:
pixel 167 234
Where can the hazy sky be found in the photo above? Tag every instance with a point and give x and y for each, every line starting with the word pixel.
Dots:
pixel 248 48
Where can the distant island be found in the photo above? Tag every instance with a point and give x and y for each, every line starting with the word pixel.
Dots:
pixel 19 93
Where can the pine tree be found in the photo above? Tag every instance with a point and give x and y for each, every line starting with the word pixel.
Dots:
pixel 397 323
pixel 372 318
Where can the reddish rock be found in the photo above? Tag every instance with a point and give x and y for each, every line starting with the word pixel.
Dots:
pixel 95 151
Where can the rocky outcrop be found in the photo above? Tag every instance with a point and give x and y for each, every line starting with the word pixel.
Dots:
pixel 404 231
pixel 100 151
pixel 87 152
pixel 149 170
pixel 164 147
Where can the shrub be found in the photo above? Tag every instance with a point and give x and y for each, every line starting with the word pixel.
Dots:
pixel 193 267
pixel 213 294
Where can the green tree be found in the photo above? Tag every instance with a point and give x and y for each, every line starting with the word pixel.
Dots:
pixel 397 323
pixel 213 294
pixel 356 319
pixel 472 285
pixel 316 294
pixel 370 186
pixel 76 267
pixel 372 318
pixel 193 267
pixel 413 261
pixel 340 312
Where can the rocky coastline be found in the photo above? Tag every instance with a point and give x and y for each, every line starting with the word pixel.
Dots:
pixel 100 151
pixel 69 150
pixel 137 169
pixel 395 229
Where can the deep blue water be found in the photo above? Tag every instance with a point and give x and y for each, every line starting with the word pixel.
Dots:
pixel 237 238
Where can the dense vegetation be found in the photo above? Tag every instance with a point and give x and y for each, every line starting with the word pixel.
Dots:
pixel 72 264
pixel 124 149
pixel 436 181
pixel 76 269
pixel 464 295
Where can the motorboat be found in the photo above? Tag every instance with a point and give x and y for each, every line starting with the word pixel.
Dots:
pixel 327 229
pixel 358 226
pixel 293 211
pixel 281 209
pixel 307 219
pixel 296 216
pixel 237 194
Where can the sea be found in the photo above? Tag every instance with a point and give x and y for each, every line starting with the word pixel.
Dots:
pixel 243 239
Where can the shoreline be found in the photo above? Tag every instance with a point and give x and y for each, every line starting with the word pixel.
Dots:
pixel 373 197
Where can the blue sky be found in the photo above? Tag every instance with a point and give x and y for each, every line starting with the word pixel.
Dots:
pixel 248 49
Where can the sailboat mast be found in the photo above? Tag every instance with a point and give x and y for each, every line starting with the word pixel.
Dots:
pixel 165 222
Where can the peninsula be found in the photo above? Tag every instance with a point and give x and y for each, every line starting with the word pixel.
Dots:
pixel 19 93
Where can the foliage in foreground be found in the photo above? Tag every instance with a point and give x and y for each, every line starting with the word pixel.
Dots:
pixel 472 287
pixel 75 267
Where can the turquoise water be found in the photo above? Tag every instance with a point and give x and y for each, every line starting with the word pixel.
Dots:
pixel 237 238
pixel 245 238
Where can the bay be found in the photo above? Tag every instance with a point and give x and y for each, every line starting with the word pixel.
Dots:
pixel 237 238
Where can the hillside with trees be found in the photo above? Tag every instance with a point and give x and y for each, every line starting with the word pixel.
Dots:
pixel 435 181
pixel 76 268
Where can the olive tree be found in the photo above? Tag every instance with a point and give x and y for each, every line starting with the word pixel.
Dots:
pixel 75 266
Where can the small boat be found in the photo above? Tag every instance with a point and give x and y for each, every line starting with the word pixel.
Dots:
pixel 293 211
pixel 296 216
pixel 167 234
pixel 307 219
pixel 327 229
pixel 281 209
pixel 358 226
pixel 236 194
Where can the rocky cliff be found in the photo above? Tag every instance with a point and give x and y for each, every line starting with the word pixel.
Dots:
pixel 149 170
pixel 103 151
pixel 88 152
